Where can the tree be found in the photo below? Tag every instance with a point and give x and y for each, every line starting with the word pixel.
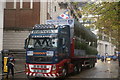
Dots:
pixel 108 20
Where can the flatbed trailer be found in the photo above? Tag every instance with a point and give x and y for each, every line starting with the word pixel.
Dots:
pixel 56 51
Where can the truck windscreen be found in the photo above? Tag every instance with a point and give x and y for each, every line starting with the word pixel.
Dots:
pixel 40 43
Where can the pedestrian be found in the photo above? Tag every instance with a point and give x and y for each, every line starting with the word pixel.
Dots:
pixel 119 58
pixel 105 58
pixel 10 65
pixel 102 58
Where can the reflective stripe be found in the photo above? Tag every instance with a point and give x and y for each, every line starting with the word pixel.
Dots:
pixel 30 74
pixel 33 74
pixel 27 73
pixel 54 75
pixel 45 75
pixel 57 74
pixel 49 75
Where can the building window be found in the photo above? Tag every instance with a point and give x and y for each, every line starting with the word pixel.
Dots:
pixel 55 8
pixel 100 37
pixel 26 5
pixel 11 5
pixel 106 38
pixel 63 5
pixel 106 47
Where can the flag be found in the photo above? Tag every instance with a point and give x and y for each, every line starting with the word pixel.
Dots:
pixel 64 15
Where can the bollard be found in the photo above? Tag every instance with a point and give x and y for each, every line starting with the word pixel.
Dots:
pixel 5 66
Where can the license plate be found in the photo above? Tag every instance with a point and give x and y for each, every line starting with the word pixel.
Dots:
pixel 39 74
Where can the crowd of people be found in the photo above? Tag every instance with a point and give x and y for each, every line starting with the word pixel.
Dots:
pixel 106 57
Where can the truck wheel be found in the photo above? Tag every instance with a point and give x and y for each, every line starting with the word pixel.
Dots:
pixel 28 77
pixel 75 69
pixel 90 66
pixel 64 72
pixel 94 65
pixel 79 69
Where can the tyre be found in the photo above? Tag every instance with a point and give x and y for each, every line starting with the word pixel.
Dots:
pixel 79 69
pixel 90 66
pixel 29 78
pixel 94 65
pixel 64 72
pixel 75 69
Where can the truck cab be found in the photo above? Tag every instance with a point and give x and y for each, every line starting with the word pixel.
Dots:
pixel 46 47
pixel 58 48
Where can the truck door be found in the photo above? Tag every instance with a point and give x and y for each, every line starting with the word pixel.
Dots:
pixel 64 42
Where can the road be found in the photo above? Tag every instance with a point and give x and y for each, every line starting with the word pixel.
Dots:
pixel 107 69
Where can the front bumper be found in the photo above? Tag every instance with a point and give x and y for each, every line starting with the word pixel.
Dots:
pixel 44 75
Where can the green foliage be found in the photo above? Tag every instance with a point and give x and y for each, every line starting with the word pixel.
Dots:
pixel 91 50
pixel 80 45
pixel 83 46
pixel 108 20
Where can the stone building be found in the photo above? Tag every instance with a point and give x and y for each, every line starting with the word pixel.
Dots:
pixel 2 5
pixel 105 46
pixel 20 17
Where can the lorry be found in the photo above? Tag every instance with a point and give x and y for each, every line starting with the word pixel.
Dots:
pixel 58 48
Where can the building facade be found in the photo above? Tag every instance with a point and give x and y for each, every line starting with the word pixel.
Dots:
pixel 2 5
pixel 105 46
pixel 20 17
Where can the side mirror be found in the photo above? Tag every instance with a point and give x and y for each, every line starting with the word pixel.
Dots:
pixel 26 43
pixel 64 47
pixel 53 42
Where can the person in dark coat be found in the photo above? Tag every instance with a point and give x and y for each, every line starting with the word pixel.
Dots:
pixel 10 64
pixel 119 58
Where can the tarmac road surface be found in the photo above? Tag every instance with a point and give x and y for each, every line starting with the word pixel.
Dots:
pixel 102 70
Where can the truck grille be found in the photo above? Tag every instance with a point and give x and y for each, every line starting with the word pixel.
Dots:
pixel 40 66
pixel 34 59
pixel 41 71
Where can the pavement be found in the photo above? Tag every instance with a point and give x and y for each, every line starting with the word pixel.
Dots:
pixel 19 64
pixel 102 70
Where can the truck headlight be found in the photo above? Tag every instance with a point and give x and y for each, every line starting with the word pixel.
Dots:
pixel 50 53
pixel 54 67
pixel 29 53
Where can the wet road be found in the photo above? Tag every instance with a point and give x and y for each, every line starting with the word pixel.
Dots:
pixel 107 69
pixel 101 70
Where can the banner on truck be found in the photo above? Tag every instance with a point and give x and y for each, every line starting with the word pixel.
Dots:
pixel 61 22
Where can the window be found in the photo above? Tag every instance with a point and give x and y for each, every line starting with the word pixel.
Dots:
pixel 26 5
pixel 11 5
pixel 106 38
pixel 100 37
pixel 63 5
pixel 42 43
pixel 55 8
